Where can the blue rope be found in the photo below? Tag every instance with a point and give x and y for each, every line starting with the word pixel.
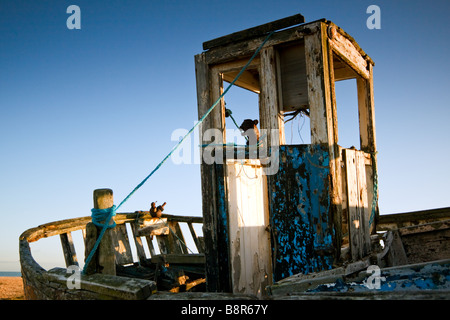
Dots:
pixel 113 209
pixel 99 215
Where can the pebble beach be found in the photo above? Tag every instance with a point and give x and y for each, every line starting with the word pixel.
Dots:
pixel 11 288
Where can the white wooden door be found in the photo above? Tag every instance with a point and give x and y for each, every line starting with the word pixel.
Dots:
pixel 359 207
pixel 248 209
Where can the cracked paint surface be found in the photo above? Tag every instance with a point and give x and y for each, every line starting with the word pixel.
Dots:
pixel 300 211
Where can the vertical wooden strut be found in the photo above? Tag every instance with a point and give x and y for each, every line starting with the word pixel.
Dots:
pixel 104 258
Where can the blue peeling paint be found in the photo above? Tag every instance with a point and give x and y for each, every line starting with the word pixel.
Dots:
pixel 300 211
pixel 433 276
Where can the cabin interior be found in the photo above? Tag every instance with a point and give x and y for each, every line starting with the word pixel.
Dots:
pixel 294 208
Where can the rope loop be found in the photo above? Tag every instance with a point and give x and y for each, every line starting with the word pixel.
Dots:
pixel 102 217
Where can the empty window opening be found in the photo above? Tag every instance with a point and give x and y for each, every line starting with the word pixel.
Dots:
pixel 243 104
pixel 346 94
pixel 347 113
pixel 297 129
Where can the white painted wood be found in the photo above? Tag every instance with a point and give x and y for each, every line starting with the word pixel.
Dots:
pixel 357 200
pixel 352 201
pixel 363 204
pixel 248 220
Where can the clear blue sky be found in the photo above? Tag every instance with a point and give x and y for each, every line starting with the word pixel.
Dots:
pixel 96 107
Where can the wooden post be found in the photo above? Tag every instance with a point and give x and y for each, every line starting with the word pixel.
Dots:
pixel 217 269
pixel 89 242
pixel 104 259
pixel 321 97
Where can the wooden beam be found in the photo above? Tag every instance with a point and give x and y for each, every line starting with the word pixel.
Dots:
pixel 355 224
pixel 341 70
pixel 323 115
pixel 348 52
pixel 247 80
pixel 179 258
pixel 70 255
pixel 363 205
pixel 103 199
pixel 198 243
pixel 269 114
pixel 89 242
pixel 318 88
pixel 244 49
pixel 122 245
pixel 255 31
pixel 337 192
pixel 400 220
pixel 213 269
pixel 366 111
pixel 154 227
pixel 138 242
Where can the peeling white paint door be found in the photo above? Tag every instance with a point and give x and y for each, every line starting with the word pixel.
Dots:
pixel 248 209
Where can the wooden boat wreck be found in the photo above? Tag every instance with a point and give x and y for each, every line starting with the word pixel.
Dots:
pixel 304 224
pixel 173 268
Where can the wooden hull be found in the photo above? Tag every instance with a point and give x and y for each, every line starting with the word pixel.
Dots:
pixel 130 283
pixel 413 264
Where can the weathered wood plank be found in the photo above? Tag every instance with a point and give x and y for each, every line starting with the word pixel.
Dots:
pixel 54 228
pixel 176 239
pixel 426 242
pixel 248 80
pixel 300 213
pixel 179 258
pixel 208 202
pixel 341 70
pixel 399 220
pixel 363 206
pixel 355 224
pixel 154 227
pixel 197 242
pixel 249 239
pixel 334 148
pixel 255 31
pixel 347 51
pixel 269 111
pixel 69 225
pixel 318 90
pixel 151 248
pixel 344 197
pixel 292 77
pixel 213 184
pixel 122 245
pixel 366 112
pixel 100 286
pixel 138 242
pixel 163 244
pixel 357 202
pixel 103 199
pixel 244 49
pixel 70 255
pixel 201 241
pixel 396 255
pixel 91 238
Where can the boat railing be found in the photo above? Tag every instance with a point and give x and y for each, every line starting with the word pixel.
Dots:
pixel 171 249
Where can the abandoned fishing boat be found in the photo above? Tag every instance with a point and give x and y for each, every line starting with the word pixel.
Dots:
pixel 280 221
